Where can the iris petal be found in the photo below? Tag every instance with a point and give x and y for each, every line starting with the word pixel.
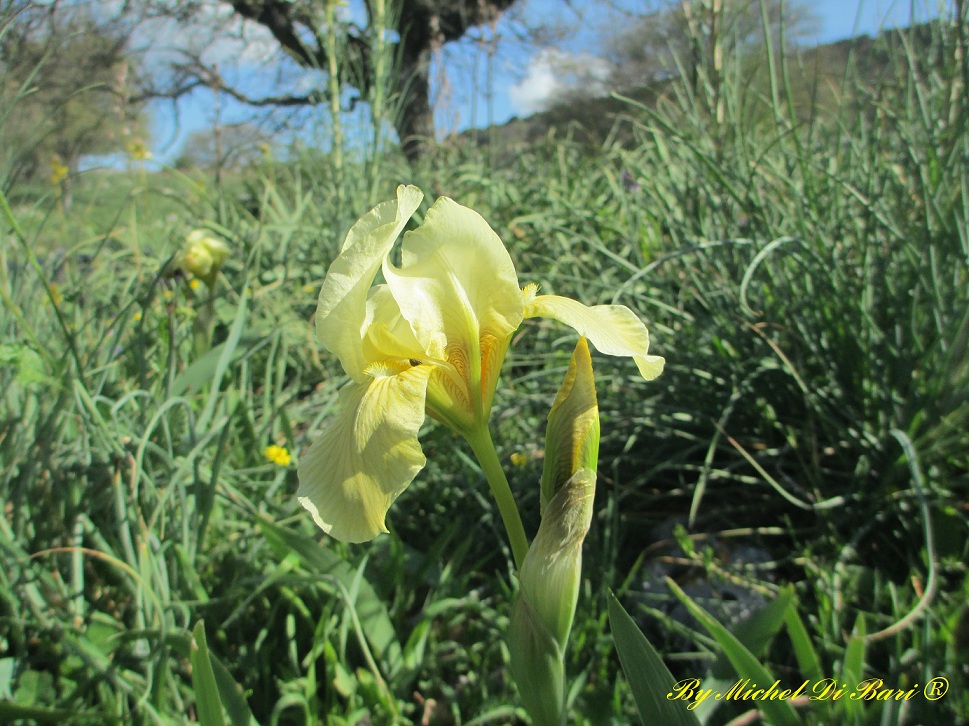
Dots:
pixel 456 282
pixel 388 335
pixel 612 329
pixel 341 315
pixel 369 455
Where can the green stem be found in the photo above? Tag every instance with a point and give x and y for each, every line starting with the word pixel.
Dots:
pixel 333 70
pixel 484 450
pixel 204 323
pixel 377 99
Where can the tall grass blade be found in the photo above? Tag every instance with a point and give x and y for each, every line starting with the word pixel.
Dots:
pixel 746 665
pixel 203 680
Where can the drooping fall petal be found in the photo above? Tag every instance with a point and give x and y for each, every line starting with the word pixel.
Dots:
pixel 612 329
pixel 367 457
pixel 342 310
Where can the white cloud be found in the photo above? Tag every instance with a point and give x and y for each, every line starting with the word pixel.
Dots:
pixel 538 87
pixel 553 74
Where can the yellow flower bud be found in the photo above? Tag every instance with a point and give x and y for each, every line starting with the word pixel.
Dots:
pixel 551 573
pixel 58 170
pixel 203 256
pixel 572 435
pixel 138 151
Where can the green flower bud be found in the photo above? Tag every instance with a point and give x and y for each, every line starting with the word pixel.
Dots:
pixel 551 573
pixel 572 436
pixel 537 665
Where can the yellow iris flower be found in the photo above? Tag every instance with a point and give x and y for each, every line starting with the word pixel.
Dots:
pixel 430 339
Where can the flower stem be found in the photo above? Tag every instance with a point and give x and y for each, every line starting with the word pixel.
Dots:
pixel 484 450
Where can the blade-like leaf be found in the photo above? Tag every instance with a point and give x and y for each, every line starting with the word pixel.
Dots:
pixel 225 358
pixel 778 712
pixel 232 695
pixel 649 678
pixel 807 657
pixel 755 632
pixel 201 371
pixel 853 668
pixel 203 680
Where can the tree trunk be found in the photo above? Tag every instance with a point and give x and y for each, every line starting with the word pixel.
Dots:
pixel 415 119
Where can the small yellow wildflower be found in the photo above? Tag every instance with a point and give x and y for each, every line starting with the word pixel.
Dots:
pixel 519 458
pixel 137 316
pixel 309 288
pixel 194 283
pixel 138 151
pixel 58 170
pixel 168 295
pixel 278 455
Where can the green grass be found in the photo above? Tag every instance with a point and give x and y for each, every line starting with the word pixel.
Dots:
pixel 806 277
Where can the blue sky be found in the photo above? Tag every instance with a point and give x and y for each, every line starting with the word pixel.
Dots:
pixel 514 62
pixel 843 19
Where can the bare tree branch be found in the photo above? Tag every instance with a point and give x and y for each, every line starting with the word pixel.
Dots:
pixel 299 28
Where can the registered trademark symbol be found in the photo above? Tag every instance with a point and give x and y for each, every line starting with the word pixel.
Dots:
pixel 936 688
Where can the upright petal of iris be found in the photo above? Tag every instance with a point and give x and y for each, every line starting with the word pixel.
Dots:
pixel 341 315
pixel 457 288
